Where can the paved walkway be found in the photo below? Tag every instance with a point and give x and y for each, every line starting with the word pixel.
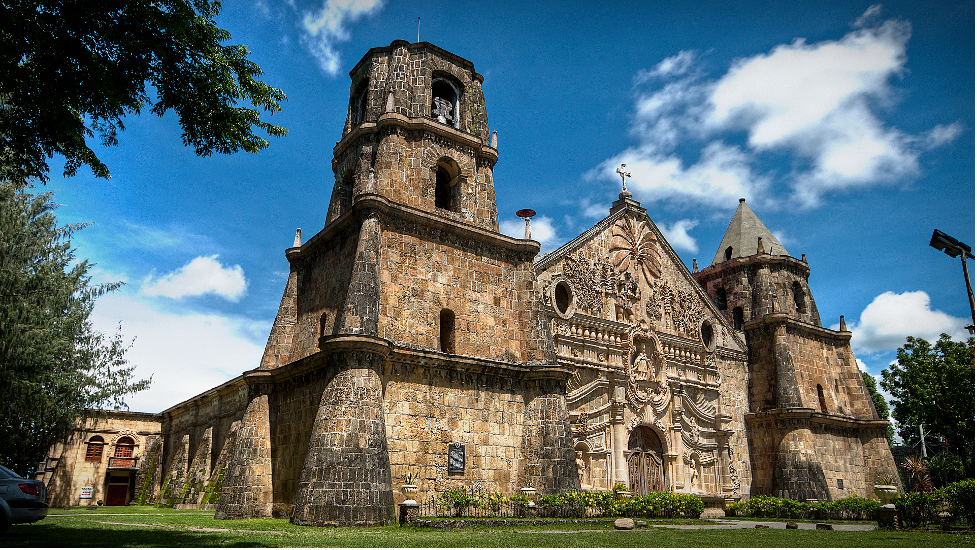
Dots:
pixel 744 524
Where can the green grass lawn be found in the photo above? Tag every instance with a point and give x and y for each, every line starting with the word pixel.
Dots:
pixel 147 526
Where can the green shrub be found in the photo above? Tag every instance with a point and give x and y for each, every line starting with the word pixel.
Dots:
pixel 957 499
pixel 762 506
pixel 914 509
pixel 460 500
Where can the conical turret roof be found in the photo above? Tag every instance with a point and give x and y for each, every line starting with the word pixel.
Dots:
pixel 742 234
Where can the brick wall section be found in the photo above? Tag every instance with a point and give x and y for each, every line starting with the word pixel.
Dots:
pixel 346 476
pixel 489 288
pixel 323 279
pixel 293 409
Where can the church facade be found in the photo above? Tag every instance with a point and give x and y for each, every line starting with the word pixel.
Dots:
pixel 413 337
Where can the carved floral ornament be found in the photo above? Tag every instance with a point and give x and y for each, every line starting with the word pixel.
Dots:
pixel 634 245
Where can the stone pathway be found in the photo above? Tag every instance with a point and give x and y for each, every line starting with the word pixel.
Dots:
pixel 744 524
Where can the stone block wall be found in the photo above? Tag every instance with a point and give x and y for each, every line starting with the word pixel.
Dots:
pixel 431 403
pixel 426 269
pixel 825 358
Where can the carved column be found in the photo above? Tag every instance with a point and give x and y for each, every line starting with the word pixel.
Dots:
pixel 619 436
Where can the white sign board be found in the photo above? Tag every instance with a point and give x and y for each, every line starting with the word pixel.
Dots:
pixel 86 492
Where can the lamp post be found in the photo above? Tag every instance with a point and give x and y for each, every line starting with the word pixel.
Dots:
pixel 953 248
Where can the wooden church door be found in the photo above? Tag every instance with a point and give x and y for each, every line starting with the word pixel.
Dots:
pixel 644 456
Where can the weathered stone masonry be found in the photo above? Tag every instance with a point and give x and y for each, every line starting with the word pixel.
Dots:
pixel 409 326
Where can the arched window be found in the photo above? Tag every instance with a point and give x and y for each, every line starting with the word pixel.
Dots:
pixel 721 298
pixel 821 401
pixel 738 318
pixel 729 253
pixel 444 101
pixel 447 323
pixel 124 447
pixel 361 100
pixel 800 302
pixel 94 451
pixel 446 187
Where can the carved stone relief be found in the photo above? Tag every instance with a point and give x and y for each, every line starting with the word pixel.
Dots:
pixel 635 246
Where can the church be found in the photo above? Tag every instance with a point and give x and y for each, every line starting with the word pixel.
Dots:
pixel 414 337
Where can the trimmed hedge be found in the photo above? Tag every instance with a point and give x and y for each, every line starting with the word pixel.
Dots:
pixel 853 507
pixel 949 505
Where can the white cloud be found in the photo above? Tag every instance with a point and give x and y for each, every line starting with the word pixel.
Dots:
pixel 324 28
pixel 678 64
pixel 816 105
pixel 185 353
pixel 203 275
pixel 678 235
pixel 720 177
pixel 542 229
pixel 870 16
pixel 890 318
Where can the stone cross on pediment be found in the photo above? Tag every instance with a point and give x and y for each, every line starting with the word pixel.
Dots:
pixel 624 178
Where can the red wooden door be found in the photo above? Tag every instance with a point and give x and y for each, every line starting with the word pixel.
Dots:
pixel 117 495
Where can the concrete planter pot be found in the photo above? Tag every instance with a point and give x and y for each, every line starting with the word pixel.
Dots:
pixel 886 492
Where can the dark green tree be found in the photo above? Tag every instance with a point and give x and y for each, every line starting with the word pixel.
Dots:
pixel 54 368
pixel 72 70
pixel 881 406
pixel 933 385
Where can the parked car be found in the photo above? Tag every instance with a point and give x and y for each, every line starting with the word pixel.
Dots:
pixel 21 500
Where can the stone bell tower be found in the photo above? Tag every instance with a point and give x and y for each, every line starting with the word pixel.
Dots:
pixel 417 134
pixel 814 429
pixel 408 332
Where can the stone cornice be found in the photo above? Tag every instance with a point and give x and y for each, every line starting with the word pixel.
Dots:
pixel 735 264
pixel 415 123
pixel 227 387
pixel 776 319
pixel 366 202
pixel 454 58
pixel 814 417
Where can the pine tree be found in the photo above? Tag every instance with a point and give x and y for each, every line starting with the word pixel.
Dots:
pixel 54 367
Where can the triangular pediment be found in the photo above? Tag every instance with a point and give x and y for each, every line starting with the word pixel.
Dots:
pixel 623 273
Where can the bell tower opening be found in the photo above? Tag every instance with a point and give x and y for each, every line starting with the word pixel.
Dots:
pixel 444 101
pixel 447 324
pixel 446 187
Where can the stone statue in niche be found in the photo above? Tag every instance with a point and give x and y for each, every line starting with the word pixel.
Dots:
pixel 582 471
pixel 695 477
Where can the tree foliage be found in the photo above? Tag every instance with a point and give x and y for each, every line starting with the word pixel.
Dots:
pixel 933 385
pixel 881 407
pixel 70 71
pixel 53 366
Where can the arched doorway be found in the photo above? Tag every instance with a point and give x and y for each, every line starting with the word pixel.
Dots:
pixel 644 456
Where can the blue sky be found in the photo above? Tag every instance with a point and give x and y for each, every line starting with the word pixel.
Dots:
pixel 847 126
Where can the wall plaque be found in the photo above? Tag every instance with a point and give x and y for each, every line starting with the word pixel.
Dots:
pixel 456 458
pixel 86 492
